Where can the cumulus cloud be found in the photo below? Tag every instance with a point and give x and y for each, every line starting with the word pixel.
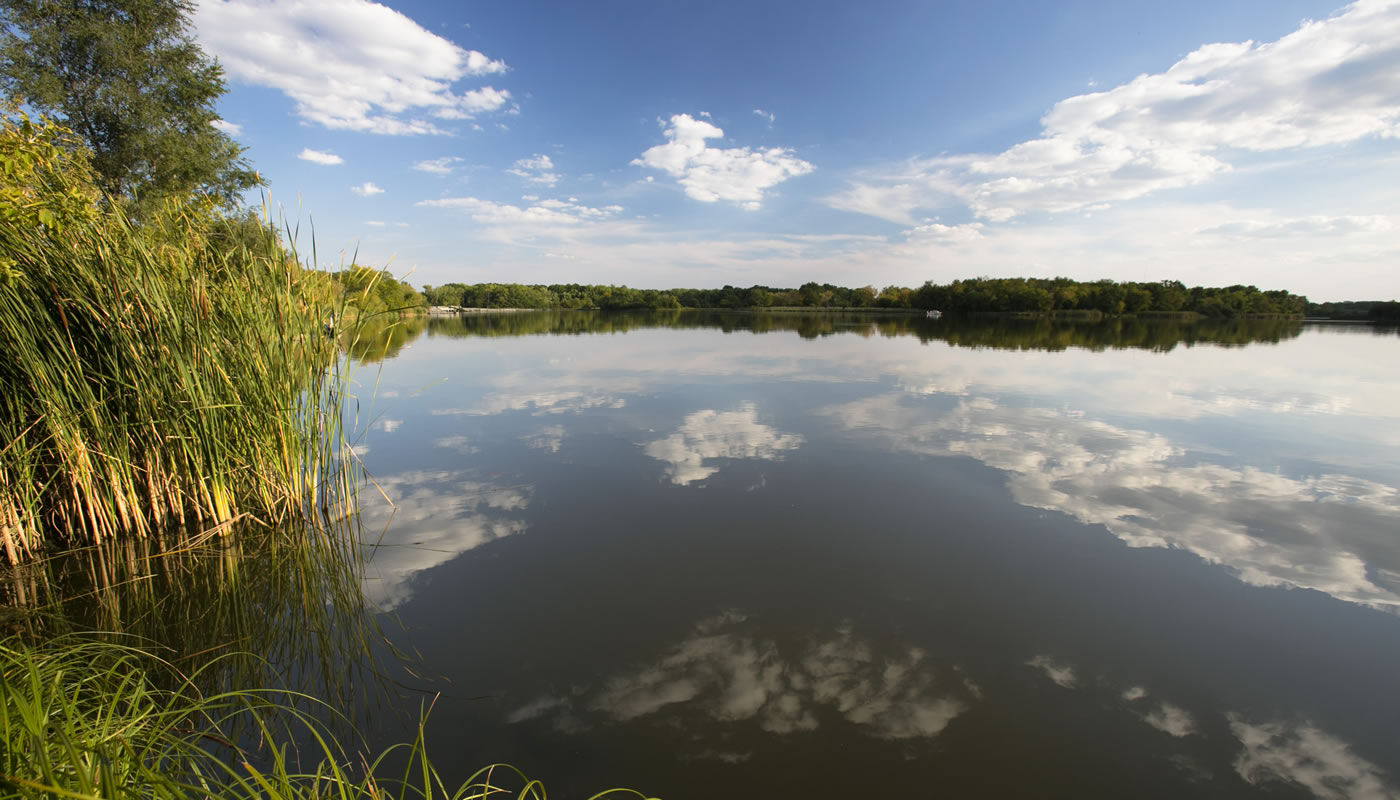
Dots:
pixel 367 189
pixel 1304 755
pixel 318 157
pixel 348 64
pixel 546 212
pixel 538 169
pixel 1330 82
pixel 768 115
pixel 710 174
pixel 735 677
pixel 438 166
pixel 707 435
pixel 230 128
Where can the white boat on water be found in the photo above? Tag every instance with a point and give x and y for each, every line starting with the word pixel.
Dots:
pixel 934 314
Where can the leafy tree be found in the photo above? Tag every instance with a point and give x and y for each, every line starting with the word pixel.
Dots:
pixel 1388 312
pixel 375 291
pixel 127 77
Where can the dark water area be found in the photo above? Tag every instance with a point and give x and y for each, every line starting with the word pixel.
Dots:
pixel 829 555
pixel 743 555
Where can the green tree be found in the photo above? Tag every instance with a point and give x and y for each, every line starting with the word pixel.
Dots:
pixel 127 77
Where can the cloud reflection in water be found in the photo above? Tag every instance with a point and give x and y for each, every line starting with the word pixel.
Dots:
pixel 1320 532
pixel 1305 755
pixel 733 677
pixel 712 434
pixel 429 518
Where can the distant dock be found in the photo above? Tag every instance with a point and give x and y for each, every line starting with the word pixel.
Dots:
pixel 466 310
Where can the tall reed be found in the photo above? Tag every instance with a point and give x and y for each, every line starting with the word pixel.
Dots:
pixel 175 374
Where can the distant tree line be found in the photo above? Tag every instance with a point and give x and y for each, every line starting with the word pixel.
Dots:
pixel 1375 310
pixel 1019 295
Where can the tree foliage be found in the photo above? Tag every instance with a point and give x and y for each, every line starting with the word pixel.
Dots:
pixel 373 291
pixel 993 295
pixel 128 79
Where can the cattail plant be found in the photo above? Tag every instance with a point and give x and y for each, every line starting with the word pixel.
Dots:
pixel 175 374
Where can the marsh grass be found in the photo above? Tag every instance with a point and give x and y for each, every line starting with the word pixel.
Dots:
pixel 88 719
pixel 175 375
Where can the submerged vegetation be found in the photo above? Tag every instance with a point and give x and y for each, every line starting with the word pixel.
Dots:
pixel 976 295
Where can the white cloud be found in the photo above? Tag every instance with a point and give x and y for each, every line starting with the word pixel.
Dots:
pixel 873 197
pixel 438 166
pixel 318 157
pixel 546 212
pixel 1330 82
pixel 230 128
pixel 946 234
pixel 768 115
pixel 535 170
pixel 366 189
pixel 1301 226
pixel 375 223
pixel 710 174
pixel 348 64
pixel 707 435
pixel 1309 757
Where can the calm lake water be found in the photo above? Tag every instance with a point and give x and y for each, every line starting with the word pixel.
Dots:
pixel 734 556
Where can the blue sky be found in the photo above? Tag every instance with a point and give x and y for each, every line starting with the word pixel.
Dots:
pixel 663 144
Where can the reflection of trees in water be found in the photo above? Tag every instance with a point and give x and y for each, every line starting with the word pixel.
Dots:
pixel 383 336
pixel 1146 334
pixel 969 331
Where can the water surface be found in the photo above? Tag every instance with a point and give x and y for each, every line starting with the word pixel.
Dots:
pixel 838 556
